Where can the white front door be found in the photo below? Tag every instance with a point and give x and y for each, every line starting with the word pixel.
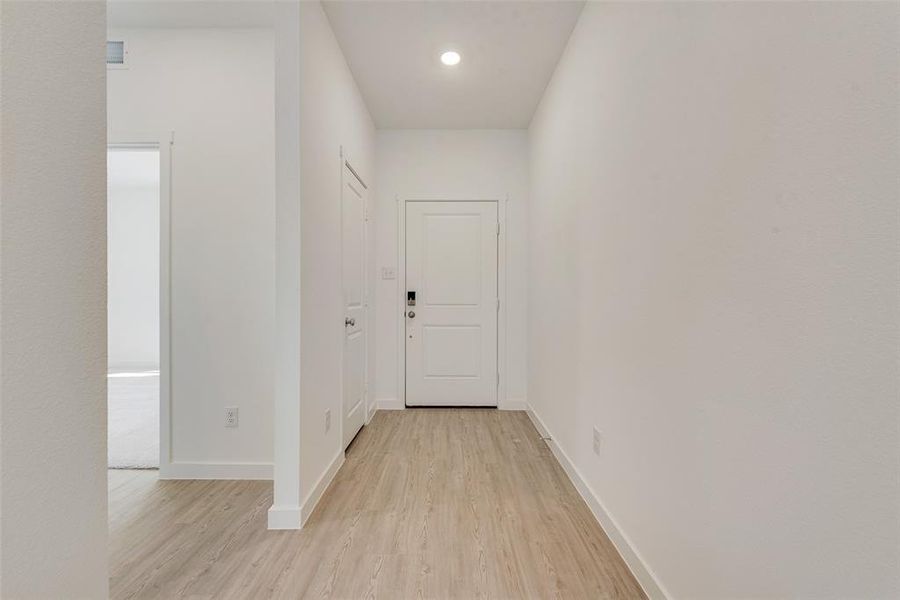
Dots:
pixel 451 312
pixel 353 236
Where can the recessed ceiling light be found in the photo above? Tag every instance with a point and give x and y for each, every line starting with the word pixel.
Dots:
pixel 450 58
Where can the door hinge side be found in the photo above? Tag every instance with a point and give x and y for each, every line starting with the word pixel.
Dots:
pixel 498 229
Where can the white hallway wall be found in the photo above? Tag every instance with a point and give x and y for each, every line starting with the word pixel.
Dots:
pixel 52 300
pixel 332 114
pixel 215 89
pixel 285 512
pixel 451 164
pixel 715 190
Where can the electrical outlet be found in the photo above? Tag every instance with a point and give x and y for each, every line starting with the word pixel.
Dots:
pixel 598 441
pixel 231 416
pixel 327 420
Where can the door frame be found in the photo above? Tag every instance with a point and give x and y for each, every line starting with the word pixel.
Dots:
pixel 402 203
pixel 367 408
pixel 165 144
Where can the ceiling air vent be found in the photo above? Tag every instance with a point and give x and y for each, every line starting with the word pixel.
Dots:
pixel 115 53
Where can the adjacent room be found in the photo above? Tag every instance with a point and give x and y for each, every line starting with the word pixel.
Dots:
pixel 190 110
pixel 133 288
pixel 449 300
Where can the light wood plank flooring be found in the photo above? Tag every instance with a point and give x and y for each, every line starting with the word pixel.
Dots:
pixel 430 503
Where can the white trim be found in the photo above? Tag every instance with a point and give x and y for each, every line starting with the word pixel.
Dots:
pixel 216 470
pixel 514 404
pixel 284 517
pixel 502 331
pixel 401 302
pixel 165 144
pixel 312 500
pixel 636 564
pixel 344 166
pixel 133 367
pixel 389 404
pixel 501 291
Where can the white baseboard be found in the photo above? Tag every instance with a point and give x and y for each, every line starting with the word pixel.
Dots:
pixel 389 404
pixel 630 555
pixel 513 404
pixel 211 470
pixel 395 404
pixel 284 517
pixel 538 424
pixel 309 505
pixel 132 367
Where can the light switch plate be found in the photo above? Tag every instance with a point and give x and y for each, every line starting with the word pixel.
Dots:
pixel 388 273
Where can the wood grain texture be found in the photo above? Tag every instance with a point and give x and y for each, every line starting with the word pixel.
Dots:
pixel 430 503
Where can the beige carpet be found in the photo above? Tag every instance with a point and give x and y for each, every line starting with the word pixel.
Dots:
pixel 133 420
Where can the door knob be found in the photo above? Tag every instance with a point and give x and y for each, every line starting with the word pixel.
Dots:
pixel 412 314
pixel 348 322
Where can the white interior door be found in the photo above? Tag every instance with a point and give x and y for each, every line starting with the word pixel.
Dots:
pixel 353 207
pixel 451 329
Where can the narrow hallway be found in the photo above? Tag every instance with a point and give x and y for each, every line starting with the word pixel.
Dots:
pixel 449 300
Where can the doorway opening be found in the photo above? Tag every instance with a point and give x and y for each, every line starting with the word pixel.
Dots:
pixel 135 331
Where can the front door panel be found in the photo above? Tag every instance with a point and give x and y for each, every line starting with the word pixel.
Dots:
pixel 353 210
pixel 451 330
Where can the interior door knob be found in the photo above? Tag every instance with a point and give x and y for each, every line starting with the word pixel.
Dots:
pixel 349 322
pixel 412 314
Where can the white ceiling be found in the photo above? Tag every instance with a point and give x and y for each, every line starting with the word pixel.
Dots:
pixel 166 14
pixel 509 51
